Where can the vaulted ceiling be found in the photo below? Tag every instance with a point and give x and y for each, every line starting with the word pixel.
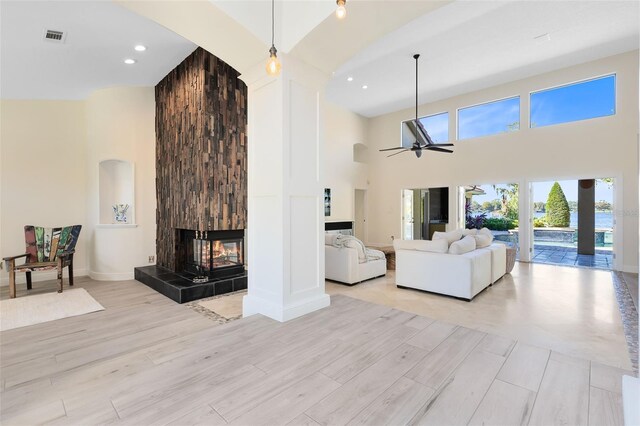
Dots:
pixel 471 45
pixel 465 45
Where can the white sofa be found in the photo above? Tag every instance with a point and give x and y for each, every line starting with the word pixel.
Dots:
pixel 498 260
pixel 342 264
pixel 430 266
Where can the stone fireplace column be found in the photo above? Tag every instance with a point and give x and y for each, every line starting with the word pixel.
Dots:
pixel 285 230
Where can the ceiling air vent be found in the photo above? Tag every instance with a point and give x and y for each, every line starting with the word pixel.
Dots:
pixel 54 36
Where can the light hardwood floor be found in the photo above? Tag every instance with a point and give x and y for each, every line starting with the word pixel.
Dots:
pixel 146 360
pixel 570 310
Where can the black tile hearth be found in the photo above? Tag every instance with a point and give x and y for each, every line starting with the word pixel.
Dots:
pixel 181 289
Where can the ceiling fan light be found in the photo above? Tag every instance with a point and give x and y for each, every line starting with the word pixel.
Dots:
pixel 341 10
pixel 419 131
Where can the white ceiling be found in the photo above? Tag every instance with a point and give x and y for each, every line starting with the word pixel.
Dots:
pixel 465 45
pixel 471 45
pixel 100 35
pixel 293 19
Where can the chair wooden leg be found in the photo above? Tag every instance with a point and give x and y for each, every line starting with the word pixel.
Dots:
pixel 59 276
pixel 12 279
pixel 28 274
pixel 70 267
pixel 60 281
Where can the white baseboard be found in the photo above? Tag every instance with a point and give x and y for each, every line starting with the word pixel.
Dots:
pixel 379 244
pixel 630 268
pixel 42 276
pixel 118 276
pixel 253 305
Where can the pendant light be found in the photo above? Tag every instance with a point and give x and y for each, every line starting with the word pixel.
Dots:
pixel 341 11
pixel 273 64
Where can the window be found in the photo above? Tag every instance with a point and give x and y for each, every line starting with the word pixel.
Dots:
pixel 489 119
pixel 436 125
pixel 574 102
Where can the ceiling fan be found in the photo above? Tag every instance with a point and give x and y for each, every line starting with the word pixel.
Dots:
pixel 423 140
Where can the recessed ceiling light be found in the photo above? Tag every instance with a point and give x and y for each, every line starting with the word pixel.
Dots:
pixel 129 61
pixel 365 87
pixel 140 48
pixel 349 78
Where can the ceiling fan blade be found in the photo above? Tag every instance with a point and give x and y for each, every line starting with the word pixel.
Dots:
pixel 427 146
pixel 399 152
pixel 435 148
pixel 393 149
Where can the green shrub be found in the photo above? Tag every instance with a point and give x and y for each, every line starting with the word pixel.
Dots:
pixel 558 213
pixel 539 222
pixel 499 223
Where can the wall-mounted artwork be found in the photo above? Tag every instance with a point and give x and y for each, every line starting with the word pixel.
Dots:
pixel 327 201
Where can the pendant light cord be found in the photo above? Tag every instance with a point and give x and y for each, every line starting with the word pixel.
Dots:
pixel 272 21
pixel 416 56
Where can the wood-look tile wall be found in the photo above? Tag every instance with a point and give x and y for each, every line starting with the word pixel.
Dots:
pixel 201 151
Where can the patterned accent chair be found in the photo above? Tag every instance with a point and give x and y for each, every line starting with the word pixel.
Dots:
pixel 47 249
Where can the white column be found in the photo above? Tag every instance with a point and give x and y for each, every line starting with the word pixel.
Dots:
pixel 525 220
pixel 285 230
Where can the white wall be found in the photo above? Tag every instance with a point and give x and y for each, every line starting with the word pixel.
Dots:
pixel 343 129
pixel 121 125
pixel 50 153
pixel 43 148
pixel 599 147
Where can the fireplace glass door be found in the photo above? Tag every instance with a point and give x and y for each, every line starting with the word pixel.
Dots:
pixel 209 255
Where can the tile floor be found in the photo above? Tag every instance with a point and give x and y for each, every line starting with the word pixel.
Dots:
pixel 569 256
pixel 541 304
pixel 147 360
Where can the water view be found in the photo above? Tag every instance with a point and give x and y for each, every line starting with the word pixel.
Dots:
pixel 604 220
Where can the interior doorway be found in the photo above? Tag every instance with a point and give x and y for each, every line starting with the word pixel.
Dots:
pixel 573 222
pixel 424 211
pixel 360 214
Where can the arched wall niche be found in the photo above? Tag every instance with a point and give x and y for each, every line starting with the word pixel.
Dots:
pixel 116 186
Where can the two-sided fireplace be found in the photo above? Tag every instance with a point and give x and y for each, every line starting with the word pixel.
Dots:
pixel 210 254
pixel 208 263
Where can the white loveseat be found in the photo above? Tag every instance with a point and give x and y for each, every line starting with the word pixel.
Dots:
pixel 436 267
pixel 347 265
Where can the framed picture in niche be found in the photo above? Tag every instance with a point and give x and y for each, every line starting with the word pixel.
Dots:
pixel 327 201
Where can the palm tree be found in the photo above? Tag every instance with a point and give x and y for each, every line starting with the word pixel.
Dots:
pixel 508 199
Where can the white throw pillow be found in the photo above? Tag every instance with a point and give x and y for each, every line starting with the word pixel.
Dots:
pixel 465 245
pixel 483 240
pixel 436 246
pixel 329 239
pixel 406 244
pixel 451 236
pixel 466 232
pixel 486 231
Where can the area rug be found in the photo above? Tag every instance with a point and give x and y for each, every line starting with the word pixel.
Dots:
pixel 40 308
pixel 221 309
